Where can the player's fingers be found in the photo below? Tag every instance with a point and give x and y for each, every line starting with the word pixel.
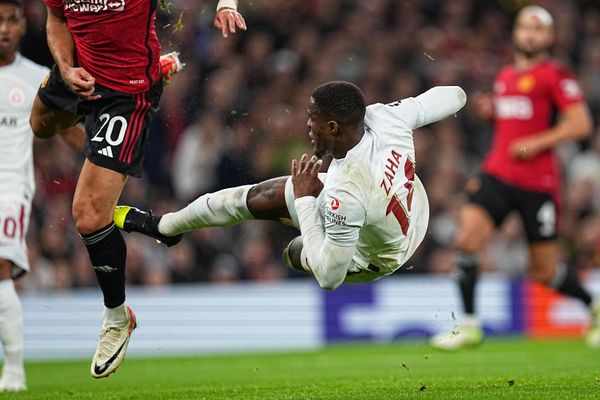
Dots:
pixel 294 167
pixel 223 23
pixel 86 76
pixel 231 21
pixel 217 23
pixel 302 164
pixel 240 21
pixel 92 97
pixel 316 167
pixel 81 87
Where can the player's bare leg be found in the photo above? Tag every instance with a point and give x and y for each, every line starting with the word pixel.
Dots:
pixel 546 267
pixel 11 332
pixel 265 200
pixel 46 122
pixel 96 195
pixel 475 229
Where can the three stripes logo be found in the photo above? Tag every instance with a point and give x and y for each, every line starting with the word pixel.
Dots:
pixel 107 151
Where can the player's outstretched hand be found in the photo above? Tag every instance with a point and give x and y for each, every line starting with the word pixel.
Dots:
pixel 305 176
pixel 227 19
pixel 80 82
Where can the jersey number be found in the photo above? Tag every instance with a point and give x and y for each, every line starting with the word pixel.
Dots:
pixel 111 132
pixel 396 207
pixel 11 227
pixel 546 216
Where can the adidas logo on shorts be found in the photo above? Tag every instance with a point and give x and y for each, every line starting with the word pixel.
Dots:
pixel 107 151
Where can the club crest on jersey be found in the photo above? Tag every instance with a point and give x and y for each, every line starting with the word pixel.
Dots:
pixel 16 96
pixel 94 5
pixel 334 204
pixel 526 83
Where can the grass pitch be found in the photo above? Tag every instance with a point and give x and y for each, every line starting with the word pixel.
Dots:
pixel 509 369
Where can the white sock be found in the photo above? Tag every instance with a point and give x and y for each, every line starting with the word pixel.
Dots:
pixel 116 316
pixel 470 320
pixel 223 208
pixel 11 329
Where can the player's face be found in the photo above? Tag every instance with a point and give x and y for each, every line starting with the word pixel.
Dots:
pixel 318 131
pixel 12 28
pixel 531 36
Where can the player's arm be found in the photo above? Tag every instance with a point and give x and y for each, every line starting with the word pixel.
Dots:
pixel 60 40
pixel 228 18
pixel 326 253
pixel 575 123
pixel 62 48
pixel 439 103
pixel 434 105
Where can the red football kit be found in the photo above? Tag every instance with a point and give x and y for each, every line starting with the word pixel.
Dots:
pixel 525 104
pixel 115 41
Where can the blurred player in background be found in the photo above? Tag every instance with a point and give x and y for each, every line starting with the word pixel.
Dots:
pixel 361 220
pixel 19 79
pixel 108 75
pixel 522 172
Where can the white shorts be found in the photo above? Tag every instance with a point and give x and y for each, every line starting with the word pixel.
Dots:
pixel 14 221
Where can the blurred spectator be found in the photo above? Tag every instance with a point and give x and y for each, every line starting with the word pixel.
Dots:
pixel 237 114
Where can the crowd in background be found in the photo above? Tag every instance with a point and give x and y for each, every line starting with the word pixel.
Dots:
pixel 237 115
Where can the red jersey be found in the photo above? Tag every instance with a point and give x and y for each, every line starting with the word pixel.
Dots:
pixel 525 105
pixel 115 40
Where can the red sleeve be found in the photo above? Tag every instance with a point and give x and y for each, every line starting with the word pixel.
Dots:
pixel 564 88
pixel 55 5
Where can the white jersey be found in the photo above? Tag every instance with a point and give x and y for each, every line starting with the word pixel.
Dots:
pixel 19 83
pixel 372 197
pixel 373 212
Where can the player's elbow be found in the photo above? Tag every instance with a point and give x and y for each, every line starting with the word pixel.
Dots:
pixel 330 281
pixel 586 128
pixel 579 122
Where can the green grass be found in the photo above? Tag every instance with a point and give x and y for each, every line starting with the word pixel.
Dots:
pixel 511 369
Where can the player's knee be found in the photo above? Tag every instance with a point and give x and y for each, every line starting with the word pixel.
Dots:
pixel 39 129
pixel 87 219
pixel 292 254
pixel 467 243
pixel 266 200
pixel 330 283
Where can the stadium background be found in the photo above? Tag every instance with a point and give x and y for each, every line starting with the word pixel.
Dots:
pixel 237 115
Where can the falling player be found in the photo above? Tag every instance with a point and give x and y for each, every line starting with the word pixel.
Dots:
pixel 522 173
pixel 360 221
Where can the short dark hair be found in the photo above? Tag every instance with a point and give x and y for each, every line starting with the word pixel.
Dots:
pixel 340 101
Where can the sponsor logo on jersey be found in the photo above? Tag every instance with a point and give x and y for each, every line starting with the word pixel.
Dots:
pixel 513 107
pixel 94 5
pixel 526 83
pixel 335 218
pixel 8 122
pixel 334 204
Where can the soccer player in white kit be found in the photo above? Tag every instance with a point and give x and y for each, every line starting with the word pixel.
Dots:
pixel 361 220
